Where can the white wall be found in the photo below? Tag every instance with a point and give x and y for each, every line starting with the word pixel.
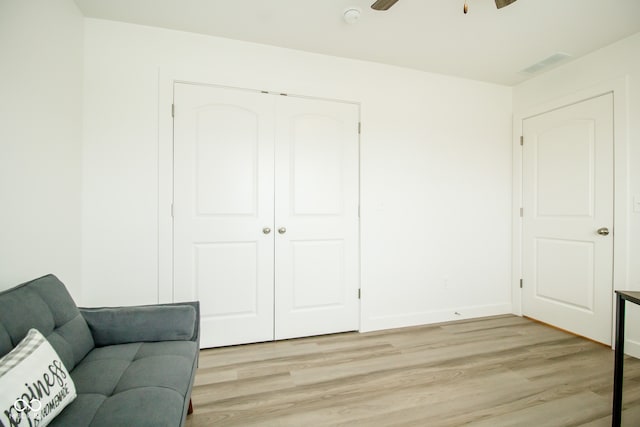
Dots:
pixel 602 68
pixel 435 160
pixel 41 45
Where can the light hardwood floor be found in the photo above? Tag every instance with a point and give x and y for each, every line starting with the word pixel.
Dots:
pixel 497 371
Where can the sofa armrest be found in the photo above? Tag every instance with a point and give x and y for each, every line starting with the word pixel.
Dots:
pixel 148 323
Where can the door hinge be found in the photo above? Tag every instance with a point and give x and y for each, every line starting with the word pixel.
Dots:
pixel 359 293
pixel 520 283
pixel 171 210
pixel 521 212
pixel 173 110
pixel 521 140
pixel 359 128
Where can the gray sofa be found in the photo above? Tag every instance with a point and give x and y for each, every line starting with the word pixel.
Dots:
pixel 132 366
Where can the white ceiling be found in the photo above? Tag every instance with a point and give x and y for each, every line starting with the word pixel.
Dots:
pixel 431 35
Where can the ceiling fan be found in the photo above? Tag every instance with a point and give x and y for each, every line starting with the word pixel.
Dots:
pixel 386 4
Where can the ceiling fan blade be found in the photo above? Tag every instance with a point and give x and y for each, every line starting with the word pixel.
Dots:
pixel 502 3
pixel 384 4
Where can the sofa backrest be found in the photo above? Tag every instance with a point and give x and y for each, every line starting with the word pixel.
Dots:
pixel 44 304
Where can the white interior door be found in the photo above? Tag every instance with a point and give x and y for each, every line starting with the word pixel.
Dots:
pixel 223 199
pixel 567 198
pixel 317 268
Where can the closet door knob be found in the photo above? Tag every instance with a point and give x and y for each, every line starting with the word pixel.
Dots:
pixel 282 230
pixel 266 230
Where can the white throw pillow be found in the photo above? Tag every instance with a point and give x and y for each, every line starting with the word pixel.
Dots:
pixel 35 384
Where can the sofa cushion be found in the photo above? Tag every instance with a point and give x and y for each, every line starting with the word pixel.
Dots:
pixel 81 411
pixel 119 381
pixel 142 407
pixel 44 304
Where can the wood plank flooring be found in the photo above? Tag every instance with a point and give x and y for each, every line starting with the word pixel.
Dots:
pixel 496 371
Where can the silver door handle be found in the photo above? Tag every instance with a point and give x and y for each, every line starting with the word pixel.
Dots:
pixel 266 230
pixel 604 231
pixel 282 230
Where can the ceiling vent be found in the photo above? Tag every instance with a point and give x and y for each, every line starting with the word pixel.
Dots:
pixel 554 59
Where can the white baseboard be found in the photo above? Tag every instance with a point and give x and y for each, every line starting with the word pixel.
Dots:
pixel 632 348
pixel 429 317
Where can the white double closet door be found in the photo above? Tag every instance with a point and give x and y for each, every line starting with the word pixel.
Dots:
pixel 265 213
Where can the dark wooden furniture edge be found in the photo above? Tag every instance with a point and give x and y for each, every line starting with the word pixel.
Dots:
pixel 618 367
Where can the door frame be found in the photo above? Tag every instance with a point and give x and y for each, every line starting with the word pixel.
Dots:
pixel 619 88
pixel 166 81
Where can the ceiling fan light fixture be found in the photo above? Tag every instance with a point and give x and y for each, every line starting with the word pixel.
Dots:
pixel 386 4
